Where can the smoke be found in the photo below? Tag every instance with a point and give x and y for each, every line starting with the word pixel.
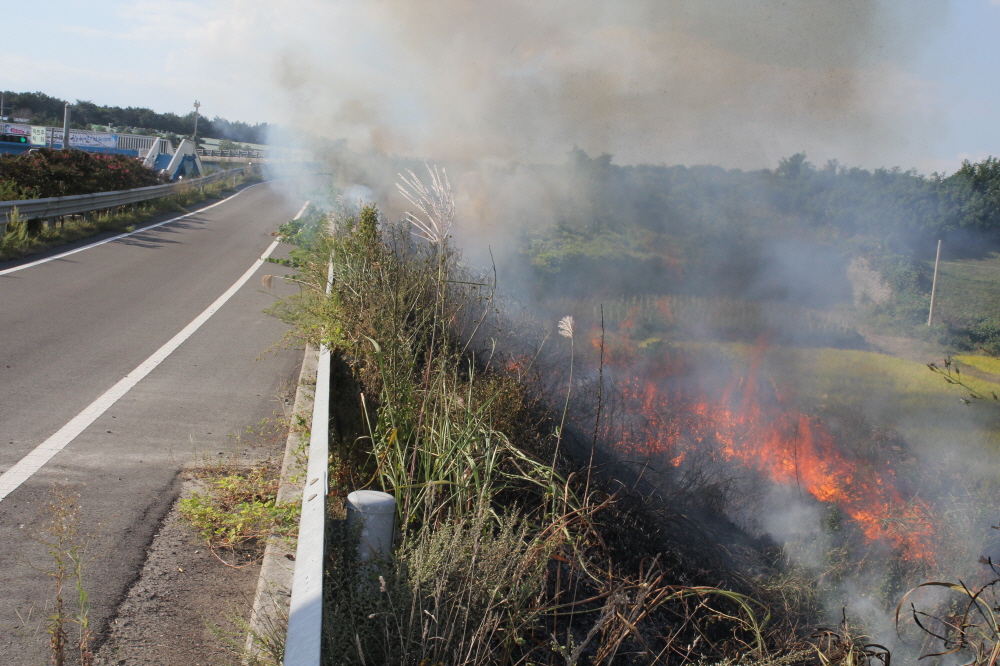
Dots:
pixel 739 83
pixel 491 88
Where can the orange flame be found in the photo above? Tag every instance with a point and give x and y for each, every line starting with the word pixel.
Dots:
pixel 787 447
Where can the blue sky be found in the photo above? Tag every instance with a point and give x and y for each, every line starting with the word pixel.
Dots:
pixel 520 80
pixel 961 62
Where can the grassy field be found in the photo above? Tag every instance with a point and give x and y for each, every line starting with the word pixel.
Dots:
pixel 969 288
pixel 986 364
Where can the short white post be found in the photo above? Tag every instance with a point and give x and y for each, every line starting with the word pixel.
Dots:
pixel 377 513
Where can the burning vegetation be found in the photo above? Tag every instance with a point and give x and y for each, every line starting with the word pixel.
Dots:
pixel 684 474
pixel 742 428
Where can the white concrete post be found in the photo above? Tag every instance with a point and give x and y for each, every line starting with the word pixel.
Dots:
pixel 377 513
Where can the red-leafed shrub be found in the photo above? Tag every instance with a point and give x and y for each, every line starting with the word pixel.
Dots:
pixel 57 173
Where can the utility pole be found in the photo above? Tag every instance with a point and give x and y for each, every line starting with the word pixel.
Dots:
pixel 197 105
pixel 66 127
pixel 937 260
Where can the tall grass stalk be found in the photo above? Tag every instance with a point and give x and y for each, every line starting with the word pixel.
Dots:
pixel 67 549
pixel 565 330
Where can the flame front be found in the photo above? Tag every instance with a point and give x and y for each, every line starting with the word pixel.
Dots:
pixel 785 446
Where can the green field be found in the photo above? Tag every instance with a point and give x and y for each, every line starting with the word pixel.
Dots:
pixel 969 289
pixel 986 364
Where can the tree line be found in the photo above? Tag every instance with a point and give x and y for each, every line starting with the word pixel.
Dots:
pixel 796 234
pixel 41 109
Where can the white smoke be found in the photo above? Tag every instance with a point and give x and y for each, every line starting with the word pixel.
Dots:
pixel 734 82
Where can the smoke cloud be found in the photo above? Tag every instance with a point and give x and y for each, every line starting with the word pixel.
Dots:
pixel 737 83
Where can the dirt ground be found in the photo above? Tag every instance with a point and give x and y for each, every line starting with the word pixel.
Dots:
pixel 187 608
pixel 179 611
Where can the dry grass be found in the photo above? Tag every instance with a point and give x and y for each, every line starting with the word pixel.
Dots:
pixel 503 556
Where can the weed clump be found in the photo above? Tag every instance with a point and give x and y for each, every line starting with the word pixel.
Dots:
pixel 67 550
pixel 239 512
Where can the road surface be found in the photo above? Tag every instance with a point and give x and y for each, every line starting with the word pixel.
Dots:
pixel 74 327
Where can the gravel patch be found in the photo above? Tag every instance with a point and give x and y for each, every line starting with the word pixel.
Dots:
pixel 179 612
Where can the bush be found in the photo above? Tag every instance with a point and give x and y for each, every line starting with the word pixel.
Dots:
pixel 58 173
pixel 982 335
pixel 226 144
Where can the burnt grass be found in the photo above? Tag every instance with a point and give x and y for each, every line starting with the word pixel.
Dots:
pixel 683 516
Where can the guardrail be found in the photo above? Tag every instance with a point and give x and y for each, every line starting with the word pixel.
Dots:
pixel 305 612
pixel 34 209
pixel 231 153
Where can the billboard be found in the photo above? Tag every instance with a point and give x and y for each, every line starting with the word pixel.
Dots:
pixel 92 140
pixel 16 128
pixel 79 138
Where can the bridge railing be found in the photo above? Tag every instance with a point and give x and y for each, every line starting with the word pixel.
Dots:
pixel 45 209
pixel 232 153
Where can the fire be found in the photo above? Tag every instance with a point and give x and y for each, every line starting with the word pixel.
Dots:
pixel 785 446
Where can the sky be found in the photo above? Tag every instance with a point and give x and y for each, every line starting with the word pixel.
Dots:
pixel 740 83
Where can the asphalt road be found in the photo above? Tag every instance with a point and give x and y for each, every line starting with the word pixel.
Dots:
pixel 70 329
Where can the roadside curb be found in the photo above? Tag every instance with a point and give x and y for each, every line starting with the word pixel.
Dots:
pixel 274 586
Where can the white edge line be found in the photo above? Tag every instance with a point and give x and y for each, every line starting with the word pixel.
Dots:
pixel 31 463
pixel 125 235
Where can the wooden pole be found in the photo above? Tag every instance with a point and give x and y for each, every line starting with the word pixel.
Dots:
pixel 937 260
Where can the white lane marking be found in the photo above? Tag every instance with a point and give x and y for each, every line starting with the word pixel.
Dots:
pixel 31 463
pixel 120 236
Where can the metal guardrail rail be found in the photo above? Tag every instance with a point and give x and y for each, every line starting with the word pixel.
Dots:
pixel 305 613
pixel 33 209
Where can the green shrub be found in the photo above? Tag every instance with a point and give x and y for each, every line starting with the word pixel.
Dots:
pixel 57 173
pixel 981 335
pixel 11 191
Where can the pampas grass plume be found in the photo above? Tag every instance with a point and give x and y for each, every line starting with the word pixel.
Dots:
pixel 436 205
pixel 566 327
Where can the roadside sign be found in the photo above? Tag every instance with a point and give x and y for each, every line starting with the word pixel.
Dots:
pixel 13 128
